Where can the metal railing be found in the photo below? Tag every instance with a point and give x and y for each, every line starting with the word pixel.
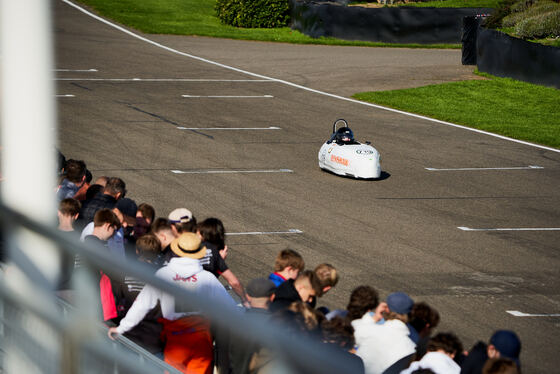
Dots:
pixel 75 341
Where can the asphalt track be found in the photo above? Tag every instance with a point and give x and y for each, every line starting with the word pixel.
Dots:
pixel 400 233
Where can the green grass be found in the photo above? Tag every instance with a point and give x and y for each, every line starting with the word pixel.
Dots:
pixel 197 17
pixel 503 106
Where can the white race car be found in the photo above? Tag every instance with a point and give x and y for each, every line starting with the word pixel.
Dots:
pixel 342 155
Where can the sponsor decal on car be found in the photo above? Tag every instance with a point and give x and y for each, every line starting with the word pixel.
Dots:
pixel 339 160
pixel 364 151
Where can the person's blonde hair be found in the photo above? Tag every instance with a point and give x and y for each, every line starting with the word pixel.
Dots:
pixel 393 315
pixel 327 275
pixel 309 316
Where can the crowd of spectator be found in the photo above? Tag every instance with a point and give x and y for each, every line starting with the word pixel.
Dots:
pixel 395 335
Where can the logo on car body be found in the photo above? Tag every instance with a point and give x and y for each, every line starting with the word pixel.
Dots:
pixel 339 160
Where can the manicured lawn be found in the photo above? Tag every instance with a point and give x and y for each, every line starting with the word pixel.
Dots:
pixel 197 17
pixel 500 105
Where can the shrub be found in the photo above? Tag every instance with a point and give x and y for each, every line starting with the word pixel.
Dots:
pixel 253 13
pixel 540 26
pixel 494 21
pixel 536 9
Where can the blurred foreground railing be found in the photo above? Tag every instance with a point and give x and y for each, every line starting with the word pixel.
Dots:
pixel 38 335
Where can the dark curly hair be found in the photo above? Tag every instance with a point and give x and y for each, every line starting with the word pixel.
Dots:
pixel 446 341
pixel 362 299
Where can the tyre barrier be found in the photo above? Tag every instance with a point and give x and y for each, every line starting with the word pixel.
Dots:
pixel 388 25
pixel 505 56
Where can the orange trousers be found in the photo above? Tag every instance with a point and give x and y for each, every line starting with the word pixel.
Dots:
pixel 188 345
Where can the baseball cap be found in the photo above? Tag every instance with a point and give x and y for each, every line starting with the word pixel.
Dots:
pixel 400 303
pixel 260 287
pixel 180 215
pixel 507 343
pixel 128 208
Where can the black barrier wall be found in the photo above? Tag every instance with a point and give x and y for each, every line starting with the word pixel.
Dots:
pixel 504 56
pixel 390 25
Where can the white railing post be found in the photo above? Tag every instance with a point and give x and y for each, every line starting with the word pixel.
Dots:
pixel 28 139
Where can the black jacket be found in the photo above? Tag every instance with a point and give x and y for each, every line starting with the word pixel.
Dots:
pixel 285 294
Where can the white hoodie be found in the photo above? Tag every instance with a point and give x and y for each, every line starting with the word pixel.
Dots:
pixel 381 345
pixel 184 272
pixel 438 362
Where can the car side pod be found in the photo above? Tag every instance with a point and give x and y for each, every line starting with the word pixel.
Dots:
pixel 344 156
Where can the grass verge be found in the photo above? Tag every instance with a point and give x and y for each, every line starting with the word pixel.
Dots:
pixel 197 17
pixel 503 106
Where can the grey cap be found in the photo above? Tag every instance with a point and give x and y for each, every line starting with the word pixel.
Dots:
pixel 260 287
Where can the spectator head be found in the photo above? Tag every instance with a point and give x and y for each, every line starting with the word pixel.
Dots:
pixel 307 285
pixel 308 316
pixel 93 190
pixel 102 181
pixel 500 366
pixel 328 277
pixel 260 292
pixel 505 343
pixel 182 220
pixel 115 187
pixel 447 343
pixel 147 212
pixel 89 176
pixel 299 319
pixel 189 245
pixel 338 331
pixel 423 318
pixel 147 248
pixel 61 162
pixel 212 231
pixel 127 208
pixel 105 222
pixel 399 305
pixel 363 299
pixel 144 219
pixel 69 207
pixel 162 229
pixel 68 212
pixel 289 262
pixel 75 171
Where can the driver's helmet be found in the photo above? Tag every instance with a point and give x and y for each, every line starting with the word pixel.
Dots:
pixel 344 136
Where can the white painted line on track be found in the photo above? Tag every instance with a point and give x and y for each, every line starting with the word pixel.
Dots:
pixel 530 167
pixel 511 229
pixel 67 95
pixel 290 231
pixel 229 128
pixel 78 70
pixel 122 29
pixel 231 171
pixel 161 80
pixel 517 313
pixel 230 96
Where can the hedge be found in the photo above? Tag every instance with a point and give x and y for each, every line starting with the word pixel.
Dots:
pixel 253 13
pixel 541 26
pixel 537 9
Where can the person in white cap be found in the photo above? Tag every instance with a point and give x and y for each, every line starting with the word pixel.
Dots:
pixel 182 220
pixel 188 340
